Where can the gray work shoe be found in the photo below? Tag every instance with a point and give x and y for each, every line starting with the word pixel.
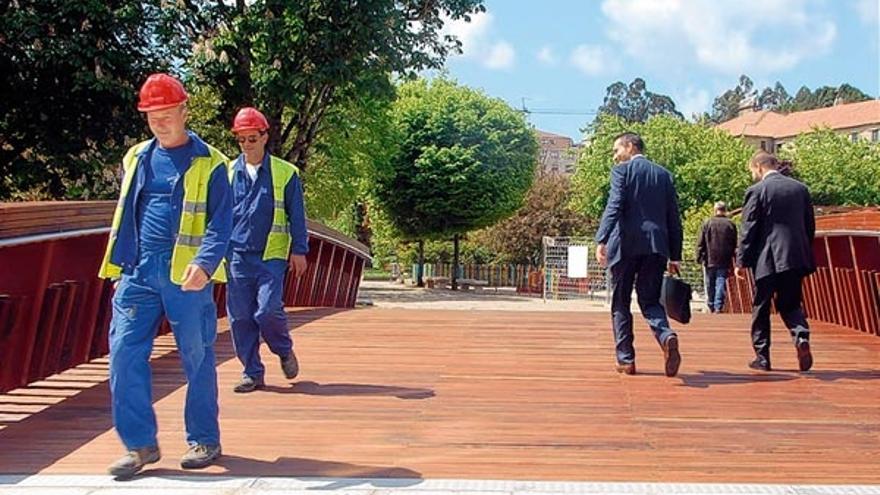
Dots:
pixel 199 456
pixel 135 460
pixel 249 384
pixel 290 366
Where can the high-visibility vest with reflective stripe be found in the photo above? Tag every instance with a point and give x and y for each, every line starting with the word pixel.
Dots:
pixel 193 214
pixel 279 240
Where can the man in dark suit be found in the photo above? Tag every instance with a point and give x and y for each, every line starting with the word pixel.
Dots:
pixel 715 251
pixel 640 231
pixel 778 227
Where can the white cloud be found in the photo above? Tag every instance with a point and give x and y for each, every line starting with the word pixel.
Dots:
pixel 593 60
pixel 500 56
pixel 478 42
pixel 692 101
pixel 730 37
pixel 868 10
pixel 547 56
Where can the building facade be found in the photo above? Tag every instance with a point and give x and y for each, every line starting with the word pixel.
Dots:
pixel 558 153
pixel 770 131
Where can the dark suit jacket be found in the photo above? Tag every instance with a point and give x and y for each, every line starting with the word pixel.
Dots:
pixel 778 227
pixel 641 216
pixel 717 245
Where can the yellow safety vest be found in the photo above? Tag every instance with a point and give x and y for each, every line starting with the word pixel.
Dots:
pixel 193 215
pixel 279 240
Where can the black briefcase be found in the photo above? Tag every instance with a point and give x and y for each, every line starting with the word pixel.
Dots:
pixel 675 296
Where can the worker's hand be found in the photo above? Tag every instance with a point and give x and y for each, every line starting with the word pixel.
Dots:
pixel 602 254
pixel 194 278
pixel 297 264
pixel 674 267
pixel 740 272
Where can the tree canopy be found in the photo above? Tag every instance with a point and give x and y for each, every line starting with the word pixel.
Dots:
pixel 837 170
pixel 464 160
pixel 776 98
pixel 634 103
pixel 71 71
pixel 546 212
pixel 300 61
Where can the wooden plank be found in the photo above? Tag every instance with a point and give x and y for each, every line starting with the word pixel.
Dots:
pixel 497 395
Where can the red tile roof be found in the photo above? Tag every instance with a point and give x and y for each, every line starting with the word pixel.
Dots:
pixel 771 124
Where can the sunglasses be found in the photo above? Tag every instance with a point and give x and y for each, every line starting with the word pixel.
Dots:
pixel 250 139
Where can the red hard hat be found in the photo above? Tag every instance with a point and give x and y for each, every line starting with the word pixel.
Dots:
pixel 159 92
pixel 249 119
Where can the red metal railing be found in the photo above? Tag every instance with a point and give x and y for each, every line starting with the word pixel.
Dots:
pixel 55 312
pixel 845 288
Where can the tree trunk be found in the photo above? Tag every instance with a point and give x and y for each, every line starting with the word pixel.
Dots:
pixel 455 262
pixel 420 270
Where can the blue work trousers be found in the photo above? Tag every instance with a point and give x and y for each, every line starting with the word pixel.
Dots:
pixel 140 301
pixel 255 308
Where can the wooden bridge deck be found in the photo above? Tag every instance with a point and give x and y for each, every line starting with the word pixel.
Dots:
pixel 493 395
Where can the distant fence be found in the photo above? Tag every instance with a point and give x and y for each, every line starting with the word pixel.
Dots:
pixel 496 275
pixel 55 311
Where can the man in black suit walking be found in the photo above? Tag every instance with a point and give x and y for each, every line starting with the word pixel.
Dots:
pixel 638 238
pixel 776 242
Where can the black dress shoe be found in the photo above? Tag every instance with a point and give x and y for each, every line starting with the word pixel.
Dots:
pixel 760 364
pixel 626 368
pixel 805 358
pixel 671 356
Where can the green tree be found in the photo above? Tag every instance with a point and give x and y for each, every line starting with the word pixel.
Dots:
pixel 464 161
pixel 837 171
pixel 71 71
pixel 634 103
pixel 546 212
pixel 726 106
pixel 301 61
pixel 708 164
pixel 341 174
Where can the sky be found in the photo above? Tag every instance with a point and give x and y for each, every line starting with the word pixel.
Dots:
pixel 561 55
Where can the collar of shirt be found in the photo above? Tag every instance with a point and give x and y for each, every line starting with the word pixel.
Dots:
pixel 240 164
pixel 769 172
pixel 636 156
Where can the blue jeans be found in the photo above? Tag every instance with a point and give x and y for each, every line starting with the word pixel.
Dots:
pixel 646 273
pixel 140 301
pixel 255 308
pixel 716 287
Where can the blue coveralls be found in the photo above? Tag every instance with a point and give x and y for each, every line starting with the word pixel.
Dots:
pixel 145 293
pixel 255 287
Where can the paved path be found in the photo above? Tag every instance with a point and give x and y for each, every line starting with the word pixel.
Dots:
pixel 412 398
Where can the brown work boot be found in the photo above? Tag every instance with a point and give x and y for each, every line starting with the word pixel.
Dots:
pixel 626 368
pixel 671 356
pixel 199 456
pixel 133 461
pixel 290 366
pixel 249 384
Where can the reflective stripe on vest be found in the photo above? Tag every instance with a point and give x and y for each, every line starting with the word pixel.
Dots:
pixel 193 215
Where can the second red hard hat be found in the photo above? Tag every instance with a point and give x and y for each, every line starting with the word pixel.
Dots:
pixel 249 119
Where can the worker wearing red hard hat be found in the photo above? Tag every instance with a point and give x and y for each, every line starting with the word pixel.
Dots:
pixel 268 237
pixel 169 236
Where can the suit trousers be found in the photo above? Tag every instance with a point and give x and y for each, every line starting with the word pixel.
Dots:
pixel 646 273
pixel 783 289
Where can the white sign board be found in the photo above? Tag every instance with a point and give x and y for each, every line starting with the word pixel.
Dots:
pixel 577 261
